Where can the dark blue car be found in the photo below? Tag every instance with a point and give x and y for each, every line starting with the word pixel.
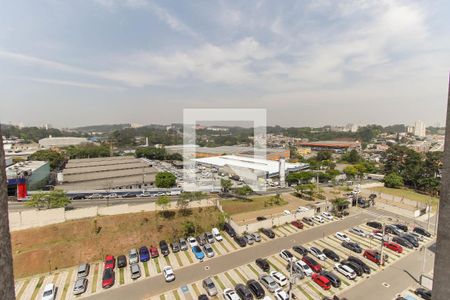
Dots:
pixel 144 255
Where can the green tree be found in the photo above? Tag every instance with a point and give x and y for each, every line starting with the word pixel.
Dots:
pixel 352 157
pixel 151 153
pixel 55 158
pixel 350 172
pixel 393 180
pixel 226 185
pixel 308 187
pixel 51 199
pixel 324 155
pixel 165 180
pixel 360 170
pixel 340 204
pixel 244 191
pixel 163 202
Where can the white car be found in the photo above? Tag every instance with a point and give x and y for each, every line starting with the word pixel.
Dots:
pixel 286 213
pixel 280 294
pixel 379 236
pixel 216 234
pixel 168 274
pixel 256 237
pixel 192 241
pixel 345 270
pixel 279 278
pixel 286 255
pixel 318 219
pixel 49 292
pixel 133 256
pixel 305 268
pixel 317 253
pixel 342 236
pixel 358 231
pixel 230 294
pixel 327 215
pixel 302 209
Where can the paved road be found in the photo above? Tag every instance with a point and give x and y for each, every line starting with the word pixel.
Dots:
pixel 156 285
pixel 401 275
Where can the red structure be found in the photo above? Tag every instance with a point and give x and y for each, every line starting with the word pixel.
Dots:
pixel 21 189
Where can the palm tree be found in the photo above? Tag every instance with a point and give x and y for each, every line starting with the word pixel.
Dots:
pixel 6 266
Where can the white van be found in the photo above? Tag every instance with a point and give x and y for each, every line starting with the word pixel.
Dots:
pixel 216 234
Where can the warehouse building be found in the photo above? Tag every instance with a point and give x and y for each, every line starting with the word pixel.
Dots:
pixel 60 142
pixel 25 176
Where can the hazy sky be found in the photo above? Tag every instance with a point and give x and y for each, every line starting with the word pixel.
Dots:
pixel 83 62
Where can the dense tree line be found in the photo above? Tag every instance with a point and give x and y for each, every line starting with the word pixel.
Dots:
pixel 87 151
pixel 34 134
pixel 156 154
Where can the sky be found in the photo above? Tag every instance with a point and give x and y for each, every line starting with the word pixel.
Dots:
pixel 309 63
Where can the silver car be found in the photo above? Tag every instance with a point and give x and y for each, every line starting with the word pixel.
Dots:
pixel 133 256
pixel 209 286
pixel 249 239
pixel 135 271
pixel 208 250
pixel 80 286
pixel 256 237
pixel 183 245
pixel 83 270
pixel 268 282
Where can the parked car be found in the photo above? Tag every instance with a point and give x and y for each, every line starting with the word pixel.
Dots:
pixel 110 262
pixel 342 236
pixel 286 255
pixel 393 246
pixel 121 261
pixel 208 250
pixel 334 280
pixel 317 253
pixel 355 247
pixel 256 237
pixel 209 287
pixel 240 240
pixel 375 224
pixel 135 271
pixel 256 288
pixel 249 239
pixel 308 220
pixel 175 247
pixel 322 281
pixel 168 274
pixel 354 266
pixel 216 234
pixel 144 255
pixel 421 231
pixel 230 294
pixel 297 224
pixel 300 250
pixel 362 264
pixel 268 232
pixel 314 265
pixel 318 218
pixel 296 268
pixel 209 237
pixel 198 253
pixel 49 292
pixel 358 231
pixel 280 294
pixel 279 278
pixel 108 278
pixel 203 297
pixel 345 270
pixel 83 270
pixel 243 292
pixel 164 248
pixel 423 293
pixel 133 256
pixel 200 240
pixel 262 264
pixel 300 265
pixel 228 229
pixel 378 236
pixel 192 242
pixel 327 215
pixel 80 286
pixel 392 229
pixel 418 236
pixel 402 227
pixel 268 282
pixel 403 242
pixel 154 253
pixel 411 239
pixel 375 256
pixel 183 245
pixel 331 254
pixel 261 218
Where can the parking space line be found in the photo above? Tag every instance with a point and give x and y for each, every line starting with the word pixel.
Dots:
pixel 29 288
pixel 219 282
pixel 177 257
pixel 252 268
pixel 221 245
pixel 233 282
pixel 68 281
pixel 241 276
pixel 216 249
pixel 230 242
pixel 60 282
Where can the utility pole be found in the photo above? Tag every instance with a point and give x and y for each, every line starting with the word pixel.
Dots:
pixel 382 244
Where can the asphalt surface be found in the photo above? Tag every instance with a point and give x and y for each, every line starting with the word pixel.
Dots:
pixel 198 271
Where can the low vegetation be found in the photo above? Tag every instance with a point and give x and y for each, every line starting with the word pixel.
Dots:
pixel 237 206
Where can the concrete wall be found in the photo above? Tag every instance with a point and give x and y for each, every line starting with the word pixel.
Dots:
pixel 36 218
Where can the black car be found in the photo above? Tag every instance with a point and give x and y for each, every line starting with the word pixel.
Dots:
pixel 121 261
pixel 421 231
pixel 175 247
pixel 256 288
pixel 412 239
pixel 164 248
pixel 355 247
pixel 261 218
pixel 362 264
pixel 354 266
pixel 263 264
pixel 374 224
pixel 423 293
pixel 240 240
pixel 300 250
pixel 393 230
pixel 201 240
pixel 228 229
pixel 129 195
pixel 331 254
pixel 403 242
pixel 402 227
pixel 308 220
pixel 243 292
pixel 268 232
pixel 334 280
pixel 78 197
pixel 203 297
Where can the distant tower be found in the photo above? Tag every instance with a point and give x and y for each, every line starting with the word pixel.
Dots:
pixel 282 172
pixel 419 129
pixel 146 141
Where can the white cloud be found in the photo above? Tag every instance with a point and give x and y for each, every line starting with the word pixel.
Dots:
pixel 75 84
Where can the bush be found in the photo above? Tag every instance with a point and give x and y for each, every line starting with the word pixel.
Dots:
pixel 393 180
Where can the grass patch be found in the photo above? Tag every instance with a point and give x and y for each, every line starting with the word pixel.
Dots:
pixel 233 282
pixel 162 297
pixel 253 269
pixel 244 280
pixel 407 193
pixel 167 260
pixel 146 271
pixel 196 290
pixel 231 242
pixel 177 256
pixel 121 276
pixel 94 279
pixel 37 287
pixel 216 249
pixel 304 293
pixel 222 286
pixel 158 267
pixel 315 290
pixel 237 206
pixel 68 282
pixel 188 256
pixel 177 296
pixel 224 246
pixel 23 288
pixel 273 266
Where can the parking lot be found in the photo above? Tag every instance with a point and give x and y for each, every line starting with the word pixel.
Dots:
pixel 305 288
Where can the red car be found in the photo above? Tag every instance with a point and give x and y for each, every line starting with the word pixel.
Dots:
pixel 322 281
pixel 108 278
pixel 394 247
pixel 314 265
pixel 110 262
pixel 374 255
pixel 297 224
pixel 154 252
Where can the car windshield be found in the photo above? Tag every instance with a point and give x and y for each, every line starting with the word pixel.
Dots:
pixel 210 285
pixel 107 275
pixel 196 249
pixel 110 261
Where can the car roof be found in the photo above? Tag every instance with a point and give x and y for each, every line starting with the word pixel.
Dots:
pixel 49 286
